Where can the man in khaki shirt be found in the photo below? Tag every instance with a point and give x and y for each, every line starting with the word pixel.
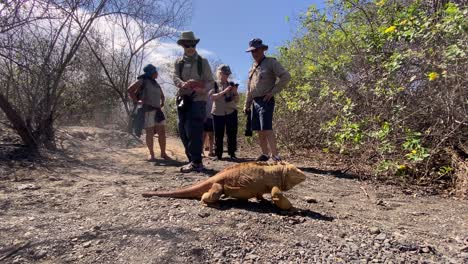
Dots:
pixel 193 78
pixel 267 77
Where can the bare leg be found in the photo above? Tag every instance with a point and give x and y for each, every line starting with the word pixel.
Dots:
pixel 212 196
pixel 281 202
pixel 210 140
pixel 149 141
pixel 161 130
pixel 262 139
pixel 271 139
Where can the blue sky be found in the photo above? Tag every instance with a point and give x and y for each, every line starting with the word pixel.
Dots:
pixel 225 27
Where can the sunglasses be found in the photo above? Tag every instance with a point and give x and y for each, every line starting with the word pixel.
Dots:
pixel 187 46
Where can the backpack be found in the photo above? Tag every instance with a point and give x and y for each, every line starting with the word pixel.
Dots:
pixel 199 66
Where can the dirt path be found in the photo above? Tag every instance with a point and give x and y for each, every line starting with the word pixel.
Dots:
pixel 87 208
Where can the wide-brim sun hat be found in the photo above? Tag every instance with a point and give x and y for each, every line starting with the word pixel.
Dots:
pixel 187 37
pixel 256 43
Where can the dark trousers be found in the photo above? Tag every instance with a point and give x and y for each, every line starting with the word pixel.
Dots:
pixel 226 123
pixel 191 130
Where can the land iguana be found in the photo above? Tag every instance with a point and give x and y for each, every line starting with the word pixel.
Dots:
pixel 243 181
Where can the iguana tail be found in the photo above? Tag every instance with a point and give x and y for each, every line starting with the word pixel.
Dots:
pixel 190 192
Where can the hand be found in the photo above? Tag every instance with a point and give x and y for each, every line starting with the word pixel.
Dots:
pixel 234 89
pixel 162 104
pixel 267 97
pixel 247 110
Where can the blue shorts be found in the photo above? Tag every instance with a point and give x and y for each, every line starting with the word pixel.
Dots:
pixel 262 114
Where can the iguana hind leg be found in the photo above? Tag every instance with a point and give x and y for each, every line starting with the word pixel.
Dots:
pixel 212 196
pixel 278 198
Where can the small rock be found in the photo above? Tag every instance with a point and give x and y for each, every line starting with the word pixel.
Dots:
pixel 40 254
pixel 86 244
pixel 29 186
pixel 54 179
pixel 251 256
pixel 380 202
pixel 203 214
pixel 176 205
pixel 309 199
pixel 464 249
pixel 381 236
pixel 374 230
pixel 74 239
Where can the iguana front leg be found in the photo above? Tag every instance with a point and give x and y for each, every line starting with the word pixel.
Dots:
pixel 212 196
pixel 278 198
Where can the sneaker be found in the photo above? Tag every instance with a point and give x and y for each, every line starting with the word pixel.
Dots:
pixel 262 157
pixel 197 167
pixel 276 158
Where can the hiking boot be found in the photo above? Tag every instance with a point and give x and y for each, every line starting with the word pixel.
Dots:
pixel 197 167
pixel 262 157
pixel 233 158
pixel 276 158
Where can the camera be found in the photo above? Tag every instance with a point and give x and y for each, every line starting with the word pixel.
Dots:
pixel 228 98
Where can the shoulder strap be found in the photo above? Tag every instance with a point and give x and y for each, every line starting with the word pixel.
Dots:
pixel 199 66
pixel 256 67
pixel 216 88
pixel 181 67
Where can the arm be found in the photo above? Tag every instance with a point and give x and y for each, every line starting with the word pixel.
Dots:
pixel 184 87
pixel 283 75
pixel 163 98
pixel 216 96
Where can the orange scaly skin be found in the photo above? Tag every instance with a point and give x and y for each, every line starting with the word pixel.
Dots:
pixel 243 181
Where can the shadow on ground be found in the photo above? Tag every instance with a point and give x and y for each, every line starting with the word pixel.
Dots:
pixel 336 173
pixel 265 207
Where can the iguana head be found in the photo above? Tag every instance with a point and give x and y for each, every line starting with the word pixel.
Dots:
pixel 292 176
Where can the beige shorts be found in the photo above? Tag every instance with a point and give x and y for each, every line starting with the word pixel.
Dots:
pixel 150 120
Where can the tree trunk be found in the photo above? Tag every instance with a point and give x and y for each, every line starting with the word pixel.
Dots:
pixel 18 123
